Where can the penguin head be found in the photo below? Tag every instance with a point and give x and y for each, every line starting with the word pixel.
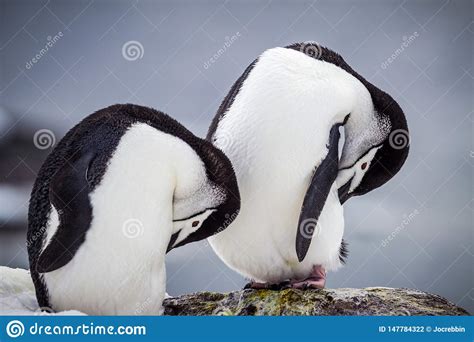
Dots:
pixel 184 228
pixel 378 152
pixel 214 219
pixel 376 144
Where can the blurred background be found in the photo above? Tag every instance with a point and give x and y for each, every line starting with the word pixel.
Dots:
pixel 62 60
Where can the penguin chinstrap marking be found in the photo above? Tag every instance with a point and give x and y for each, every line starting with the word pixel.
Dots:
pixel 279 127
pixel 123 187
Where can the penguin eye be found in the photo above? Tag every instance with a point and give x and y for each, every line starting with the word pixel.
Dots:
pixel 195 223
pixel 363 166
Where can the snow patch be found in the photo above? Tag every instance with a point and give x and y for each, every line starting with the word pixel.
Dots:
pixel 17 294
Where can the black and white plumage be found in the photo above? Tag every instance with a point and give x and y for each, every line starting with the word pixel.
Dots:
pixel 123 187
pixel 279 127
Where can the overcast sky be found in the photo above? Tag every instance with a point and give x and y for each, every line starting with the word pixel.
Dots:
pixel 179 70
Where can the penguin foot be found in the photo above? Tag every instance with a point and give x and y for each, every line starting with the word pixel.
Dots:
pixel 309 284
pixel 267 286
pixel 317 280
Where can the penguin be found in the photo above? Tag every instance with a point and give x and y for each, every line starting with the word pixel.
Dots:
pixel 280 125
pixel 123 187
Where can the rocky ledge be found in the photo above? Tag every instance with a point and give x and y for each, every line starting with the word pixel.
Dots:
pixel 369 301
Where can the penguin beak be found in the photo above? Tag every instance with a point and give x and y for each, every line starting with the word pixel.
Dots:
pixel 172 241
pixel 343 191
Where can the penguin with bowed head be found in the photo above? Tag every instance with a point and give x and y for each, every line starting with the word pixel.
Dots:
pixel 121 189
pixel 279 125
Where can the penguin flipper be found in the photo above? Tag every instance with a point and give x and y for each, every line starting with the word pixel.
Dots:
pixel 316 195
pixel 68 193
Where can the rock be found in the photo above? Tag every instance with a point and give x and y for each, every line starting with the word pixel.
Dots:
pixel 369 301
pixel 17 297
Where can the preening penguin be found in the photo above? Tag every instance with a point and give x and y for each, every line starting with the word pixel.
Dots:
pixel 123 187
pixel 279 125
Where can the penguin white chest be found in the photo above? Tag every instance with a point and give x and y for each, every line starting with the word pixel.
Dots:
pixel 260 244
pixel 273 176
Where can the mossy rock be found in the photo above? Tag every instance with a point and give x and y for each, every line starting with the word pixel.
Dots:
pixel 328 302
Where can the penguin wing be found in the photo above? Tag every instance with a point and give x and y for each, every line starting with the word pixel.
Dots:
pixel 316 195
pixel 68 192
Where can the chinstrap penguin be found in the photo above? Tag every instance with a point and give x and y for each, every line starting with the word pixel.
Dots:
pixel 121 189
pixel 279 125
